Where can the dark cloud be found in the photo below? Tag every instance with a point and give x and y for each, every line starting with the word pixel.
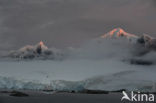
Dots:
pixel 63 23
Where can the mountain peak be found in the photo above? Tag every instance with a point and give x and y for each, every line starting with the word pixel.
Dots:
pixel 41 45
pixel 119 32
pixel 39 50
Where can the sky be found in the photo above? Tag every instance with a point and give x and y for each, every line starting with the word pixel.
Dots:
pixel 64 23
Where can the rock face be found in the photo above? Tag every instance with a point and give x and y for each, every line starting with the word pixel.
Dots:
pixel 39 51
pixel 150 42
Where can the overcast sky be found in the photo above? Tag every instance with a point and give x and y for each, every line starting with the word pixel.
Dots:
pixel 62 23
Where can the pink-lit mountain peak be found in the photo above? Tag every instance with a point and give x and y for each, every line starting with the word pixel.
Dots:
pixel 118 32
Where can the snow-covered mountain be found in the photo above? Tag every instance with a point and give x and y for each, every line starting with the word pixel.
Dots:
pixel 145 40
pixel 139 45
pixel 39 51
